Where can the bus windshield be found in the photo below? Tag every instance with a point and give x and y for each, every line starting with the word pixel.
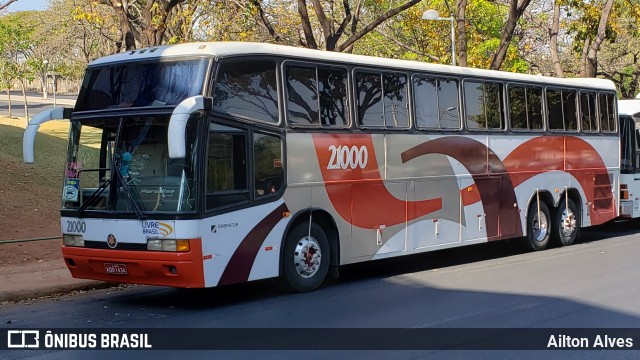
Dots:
pixel 141 84
pixel 122 165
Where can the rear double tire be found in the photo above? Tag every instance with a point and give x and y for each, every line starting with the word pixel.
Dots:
pixel 566 223
pixel 305 257
pixel 538 226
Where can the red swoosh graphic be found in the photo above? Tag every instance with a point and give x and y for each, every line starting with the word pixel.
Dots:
pixel 570 154
pixel 478 159
pixel 359 195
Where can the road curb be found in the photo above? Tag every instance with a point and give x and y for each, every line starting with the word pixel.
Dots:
pixel 53 290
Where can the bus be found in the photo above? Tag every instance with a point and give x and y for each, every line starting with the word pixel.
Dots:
pixel 629 115
pixel 207 164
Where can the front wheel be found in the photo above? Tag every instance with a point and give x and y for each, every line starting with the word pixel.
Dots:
pixel 538 220
pixel 305 259
pixel 567 222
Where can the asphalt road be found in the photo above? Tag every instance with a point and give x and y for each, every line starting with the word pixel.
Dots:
pixel 35 103
pixel 593 284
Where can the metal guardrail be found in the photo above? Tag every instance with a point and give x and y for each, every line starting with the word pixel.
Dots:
pixel 28 240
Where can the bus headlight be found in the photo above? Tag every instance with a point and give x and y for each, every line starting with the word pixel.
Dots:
pixel 168 245
pixel 72 240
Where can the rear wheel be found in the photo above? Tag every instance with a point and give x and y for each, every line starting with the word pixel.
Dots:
pixel 538 221
pixel 567 222
pixel 305 259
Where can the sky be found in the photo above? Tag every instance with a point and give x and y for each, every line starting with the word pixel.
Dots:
pixel 21 5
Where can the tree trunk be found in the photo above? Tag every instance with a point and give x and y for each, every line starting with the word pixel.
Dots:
pixel 591 63
pixel 9 99
pixel 555 27
pixel 462 33
pixel 583 57
pixel 24 96
pixel 516 9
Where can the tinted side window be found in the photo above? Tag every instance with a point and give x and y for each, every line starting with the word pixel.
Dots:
pixel 247 88
pixel 474 105
pixel 588 111
pixel 483 105
pixel 332 87
pixel 534 108
pixel 554 107
pixel 268 172
pixel 370 109
pixel 426 102
pixel 302 96
pixel 316 96
pixel 518 108
pixel 448 104
pixel 570 110
pixel 227 167
pixel 395 100
pixel 493 105
pixel 382 100
pixel 607 114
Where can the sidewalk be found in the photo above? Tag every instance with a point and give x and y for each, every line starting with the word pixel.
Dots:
pixel 41 279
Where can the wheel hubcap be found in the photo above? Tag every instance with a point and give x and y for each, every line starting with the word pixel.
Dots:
pixel 307 256
pixel 540 226
pixel 568 222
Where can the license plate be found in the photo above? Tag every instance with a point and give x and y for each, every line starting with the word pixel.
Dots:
pixel 116 269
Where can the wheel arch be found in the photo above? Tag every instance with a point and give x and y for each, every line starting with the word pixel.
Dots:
pixel 328 224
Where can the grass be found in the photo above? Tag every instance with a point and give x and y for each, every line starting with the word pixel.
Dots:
pixel 50 153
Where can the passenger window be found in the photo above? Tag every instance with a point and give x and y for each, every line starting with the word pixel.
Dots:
pixel 382 100
pixel 525 108
pixel 483 105
pixel 267 152
pixel 554 108
pixel 247 88
pixel 570 110
pixel 562 109
pixel 317 96
pixel 588 111
pixel 302 96
pixel 607 114
pixel 436 103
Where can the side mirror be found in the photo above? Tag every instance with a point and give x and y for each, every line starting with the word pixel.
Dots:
pixel 28 139
pixel 178 123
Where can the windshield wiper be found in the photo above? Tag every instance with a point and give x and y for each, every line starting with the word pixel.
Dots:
pixel 125 186
pixel 133 202
pixel 96 194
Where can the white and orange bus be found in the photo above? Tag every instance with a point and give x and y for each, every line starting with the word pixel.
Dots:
pixel 207 164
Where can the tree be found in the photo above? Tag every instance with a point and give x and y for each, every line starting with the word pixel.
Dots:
pixel 5 4
pixel 142 22
pixel 462 33
pixel 333 22
pixel 516 9
pixel 16 47
pixel 590 61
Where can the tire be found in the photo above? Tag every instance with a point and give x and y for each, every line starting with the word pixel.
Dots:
pixel 566 224
pixel 538 232
pixel 299 274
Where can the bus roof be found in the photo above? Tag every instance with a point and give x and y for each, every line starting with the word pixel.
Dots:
pixel 629 107
pixel 226 49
